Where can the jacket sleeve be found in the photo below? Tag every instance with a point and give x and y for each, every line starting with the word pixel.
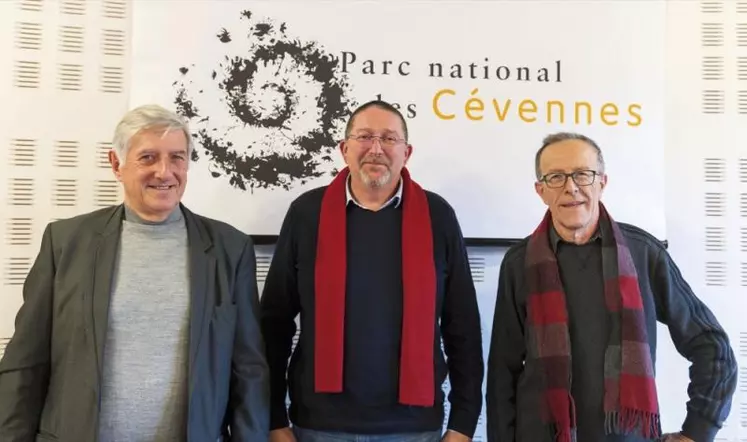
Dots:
pixel 698 337
pixel 25 367
pixel 505 360
pixel 250 378
pixel 280 306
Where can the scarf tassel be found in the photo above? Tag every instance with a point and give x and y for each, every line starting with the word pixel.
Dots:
pixel 566 432
pixel 566 435
pixel 628 420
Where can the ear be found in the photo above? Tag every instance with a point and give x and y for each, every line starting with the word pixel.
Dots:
pixel 116 164
pixel 408 152
pixel 602 182
pixel 343 146
pixel 539 189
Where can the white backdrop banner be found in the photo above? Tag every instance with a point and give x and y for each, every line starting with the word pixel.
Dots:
pixel 268 87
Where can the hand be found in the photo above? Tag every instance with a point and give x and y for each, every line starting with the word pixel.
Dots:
pixel 676 437
pixel 454 436
pixel 282 435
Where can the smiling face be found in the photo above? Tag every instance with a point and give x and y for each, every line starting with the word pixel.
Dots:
pixel 154 174
pixel 574 205
pixel 376 150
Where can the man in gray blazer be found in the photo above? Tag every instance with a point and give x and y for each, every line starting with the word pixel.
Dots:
pixel 140 321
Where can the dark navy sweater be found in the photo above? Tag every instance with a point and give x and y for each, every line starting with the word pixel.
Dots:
pixel 373 323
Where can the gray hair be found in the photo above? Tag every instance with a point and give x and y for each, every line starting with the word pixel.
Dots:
pixel 143 118
pixel 564 136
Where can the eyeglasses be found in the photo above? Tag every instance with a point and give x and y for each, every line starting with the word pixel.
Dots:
pixel 367 140
pixel 580 177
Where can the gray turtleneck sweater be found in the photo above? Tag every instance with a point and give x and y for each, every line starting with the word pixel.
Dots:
pixel 144 386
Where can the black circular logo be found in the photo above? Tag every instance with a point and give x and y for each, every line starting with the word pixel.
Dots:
pixel 270 111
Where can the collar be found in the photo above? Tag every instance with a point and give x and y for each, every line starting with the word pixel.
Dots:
pixel 130 215
pixel 396 199
pixel 555 238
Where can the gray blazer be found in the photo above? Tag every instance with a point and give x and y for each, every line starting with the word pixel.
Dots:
pixel 50 375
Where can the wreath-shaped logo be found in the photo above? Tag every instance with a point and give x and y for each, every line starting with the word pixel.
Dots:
pixel 271 112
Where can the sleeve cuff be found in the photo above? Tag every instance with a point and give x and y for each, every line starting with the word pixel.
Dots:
pixel 279 419
pixel 463 422
pixel 698 428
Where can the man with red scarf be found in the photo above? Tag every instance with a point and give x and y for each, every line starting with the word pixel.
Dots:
pixel 574 333
pixel 378 271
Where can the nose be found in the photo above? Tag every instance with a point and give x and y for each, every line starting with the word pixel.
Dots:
pixel 163 169
pixel 570 185
pixel 376 147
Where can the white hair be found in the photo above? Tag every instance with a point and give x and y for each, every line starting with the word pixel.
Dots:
pixel 147 117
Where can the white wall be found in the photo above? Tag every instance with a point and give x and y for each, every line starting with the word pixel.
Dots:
pixel 706 177
pixel 64 84
pixel 61 167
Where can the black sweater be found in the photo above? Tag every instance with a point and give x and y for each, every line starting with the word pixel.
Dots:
pixel 373 321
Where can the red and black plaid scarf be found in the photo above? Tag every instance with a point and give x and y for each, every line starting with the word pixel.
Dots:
pixel 416 370
pixel 630 400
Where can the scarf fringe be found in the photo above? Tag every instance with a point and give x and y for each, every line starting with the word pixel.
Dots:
pixel 627 421
pixel 563 435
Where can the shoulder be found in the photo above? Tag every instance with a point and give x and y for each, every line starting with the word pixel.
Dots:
pixel 647 251
pixel 443 217
pixel 640 239
pixel 515 255
pixel 512 283
pixel 438 203
pixel 441 210
pixel 221 230
pixel 87 223
pixel 220 233
pixel 306 207
pixel 309 199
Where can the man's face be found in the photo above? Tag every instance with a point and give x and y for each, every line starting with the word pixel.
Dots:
pixel 154 174
pixel 573 206
pixel 376 161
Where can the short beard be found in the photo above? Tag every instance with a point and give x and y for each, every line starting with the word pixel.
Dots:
pixel 377 183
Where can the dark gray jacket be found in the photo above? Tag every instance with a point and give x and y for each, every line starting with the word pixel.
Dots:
pixel 50 374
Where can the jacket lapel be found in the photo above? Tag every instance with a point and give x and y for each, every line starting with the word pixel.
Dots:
pixel 202 271
pixel 104 258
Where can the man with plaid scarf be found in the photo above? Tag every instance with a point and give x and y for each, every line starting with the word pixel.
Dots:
pixel 574 332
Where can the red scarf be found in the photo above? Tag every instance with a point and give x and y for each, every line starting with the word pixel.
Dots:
pixel 416 382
